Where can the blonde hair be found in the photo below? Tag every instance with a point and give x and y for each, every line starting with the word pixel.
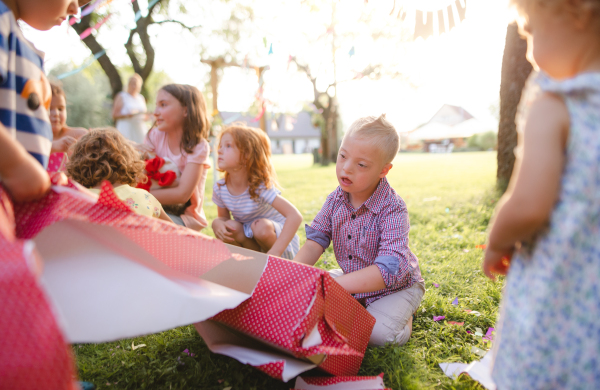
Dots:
pixel 104 154
pixel 255 155
pixel 379 132
pixel 523 7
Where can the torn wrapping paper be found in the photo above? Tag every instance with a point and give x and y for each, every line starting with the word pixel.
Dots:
pixel 480 371
pixel 112 274
pixel 33 352
pixel 298 313
pixel 341 383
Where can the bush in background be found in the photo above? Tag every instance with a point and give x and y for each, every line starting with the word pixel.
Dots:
pixel 483 141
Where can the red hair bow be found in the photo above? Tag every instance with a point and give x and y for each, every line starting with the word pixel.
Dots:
pixel 153 166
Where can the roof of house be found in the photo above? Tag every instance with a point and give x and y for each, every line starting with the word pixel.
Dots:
pixel 278 125
pixel 449 122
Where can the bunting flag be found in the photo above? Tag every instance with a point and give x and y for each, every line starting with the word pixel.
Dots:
pixel 271 49
pixel 82 67
pixel 89 30
pixel 428 23
pixel 351 52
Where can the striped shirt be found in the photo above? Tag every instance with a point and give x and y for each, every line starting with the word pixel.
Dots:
pixel 375 233
pixel 24 90
pixel 245 210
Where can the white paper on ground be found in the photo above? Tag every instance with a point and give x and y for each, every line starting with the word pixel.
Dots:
pixel 105 287
pixel 367 384
pixel 225 341
pixel 480 371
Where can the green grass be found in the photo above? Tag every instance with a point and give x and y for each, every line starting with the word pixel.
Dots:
pixel 450 199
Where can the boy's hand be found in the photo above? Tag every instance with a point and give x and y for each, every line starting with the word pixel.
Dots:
pixel 63 144
pixel 496 262
pixel 26 181
pixel 222 232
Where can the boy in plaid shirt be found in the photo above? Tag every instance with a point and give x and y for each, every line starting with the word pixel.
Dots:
pixel 368 224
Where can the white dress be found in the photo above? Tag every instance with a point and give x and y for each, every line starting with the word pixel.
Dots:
pixel 133 128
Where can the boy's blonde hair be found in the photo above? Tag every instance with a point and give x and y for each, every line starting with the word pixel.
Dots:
pixel 379 132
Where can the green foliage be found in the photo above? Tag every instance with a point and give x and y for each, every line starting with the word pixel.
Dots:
pixel 450 199
pixel 483 141
pixel 89 103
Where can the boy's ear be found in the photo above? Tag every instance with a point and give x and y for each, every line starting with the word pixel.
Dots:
pixel 385 170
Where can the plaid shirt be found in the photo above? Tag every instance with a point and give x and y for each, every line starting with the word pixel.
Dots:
pixel 375 233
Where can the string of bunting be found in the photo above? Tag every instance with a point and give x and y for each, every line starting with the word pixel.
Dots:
pixel 82 67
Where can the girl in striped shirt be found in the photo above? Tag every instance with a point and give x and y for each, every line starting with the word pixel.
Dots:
pixel 262 220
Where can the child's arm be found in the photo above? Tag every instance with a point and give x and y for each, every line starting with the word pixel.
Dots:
pixel 535 183
pixel 293 219
pixel 20 173
pixel 309 253
pixel 62 144
pixel 188 181
pixel 219 225
pixel 368 279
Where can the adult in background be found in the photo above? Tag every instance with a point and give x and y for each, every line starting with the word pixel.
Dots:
pixel 129 111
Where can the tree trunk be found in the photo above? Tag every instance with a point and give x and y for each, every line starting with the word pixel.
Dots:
pixel 116 84
pixel 332 129
pixel 515 70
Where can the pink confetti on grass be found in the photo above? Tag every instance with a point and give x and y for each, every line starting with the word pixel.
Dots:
pixel 436 285
pixel 456 323
pixel 438 318
pixel 488 335
pixel 455 302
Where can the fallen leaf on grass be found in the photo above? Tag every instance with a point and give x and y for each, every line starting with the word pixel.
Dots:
pixel 455 302
pixel 438 318
pixel 478 351
pixel 456 323
pixel 134 347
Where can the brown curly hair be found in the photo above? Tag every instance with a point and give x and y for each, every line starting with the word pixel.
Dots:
pixel 255 154
pixel 104 154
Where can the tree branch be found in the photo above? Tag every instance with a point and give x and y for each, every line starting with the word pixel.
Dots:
pixel 190 28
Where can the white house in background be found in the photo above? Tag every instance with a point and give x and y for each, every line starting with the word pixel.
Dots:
pixel 450 127
pixel 288 133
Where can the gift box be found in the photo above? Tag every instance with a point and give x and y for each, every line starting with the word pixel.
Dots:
pixel 297 318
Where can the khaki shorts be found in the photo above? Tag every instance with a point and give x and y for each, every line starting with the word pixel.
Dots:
pixel 393 314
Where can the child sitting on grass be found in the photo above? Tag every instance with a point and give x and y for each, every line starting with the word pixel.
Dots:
pixel 64 136
pixel 104 154
pixel 368 224
pixel 262 220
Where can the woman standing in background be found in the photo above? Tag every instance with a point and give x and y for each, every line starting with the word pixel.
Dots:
pixel 129 111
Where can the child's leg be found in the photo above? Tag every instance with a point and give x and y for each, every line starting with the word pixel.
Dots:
pixel 393 314
pixel 240 237
pixel 264 233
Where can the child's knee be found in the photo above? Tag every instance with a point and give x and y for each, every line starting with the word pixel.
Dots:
pixel 263 229
pixel 388 330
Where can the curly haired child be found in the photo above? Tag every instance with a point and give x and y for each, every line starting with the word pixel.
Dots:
pixel 262 219
pixel 104 154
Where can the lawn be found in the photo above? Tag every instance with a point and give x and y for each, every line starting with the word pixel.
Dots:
pixel 450 199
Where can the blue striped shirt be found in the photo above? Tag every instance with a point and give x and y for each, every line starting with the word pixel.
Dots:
pixel 24 90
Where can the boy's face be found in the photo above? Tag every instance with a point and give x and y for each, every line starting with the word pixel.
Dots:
pixel 359 167
pixel 45 14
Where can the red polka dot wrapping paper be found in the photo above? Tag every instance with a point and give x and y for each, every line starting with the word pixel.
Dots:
pixel 112 273
pixel 33 352
pixel 290 303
